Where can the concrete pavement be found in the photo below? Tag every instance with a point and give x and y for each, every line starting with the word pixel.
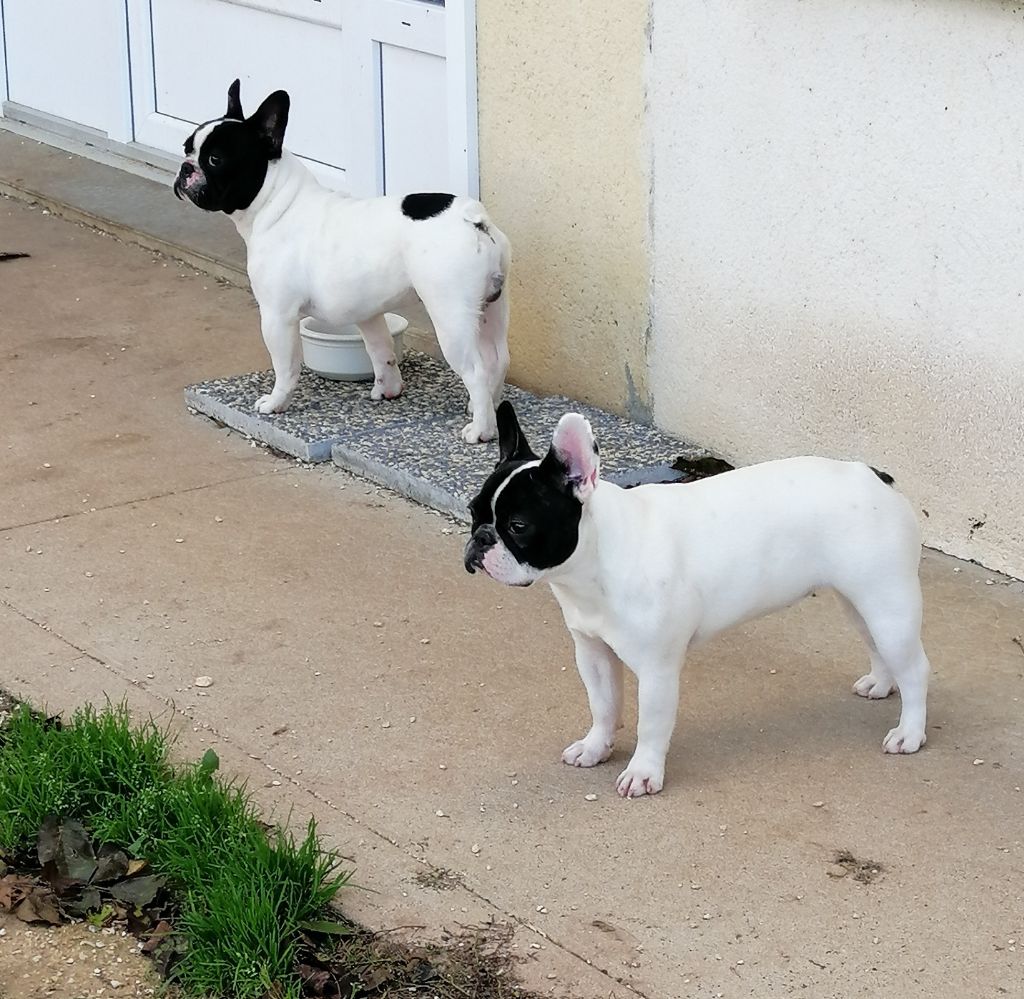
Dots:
pixel 141 547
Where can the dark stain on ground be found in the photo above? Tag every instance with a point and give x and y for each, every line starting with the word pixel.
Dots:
pixel 701 468
pixel 864 871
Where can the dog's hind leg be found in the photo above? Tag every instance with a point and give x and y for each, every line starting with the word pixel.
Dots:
pixel 281 335
pixel 494 337
pixel 892 617
pixel 387 378
pixel 879 683
pixel 457 328
pixel 601 671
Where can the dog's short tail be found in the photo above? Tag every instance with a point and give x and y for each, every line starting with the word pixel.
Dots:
pixel 884 476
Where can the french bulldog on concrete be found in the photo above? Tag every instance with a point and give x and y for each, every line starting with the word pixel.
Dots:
pixel 314 252
pixel 642 575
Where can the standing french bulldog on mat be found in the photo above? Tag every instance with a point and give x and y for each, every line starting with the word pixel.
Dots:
pixel 314 252
pixel 644 574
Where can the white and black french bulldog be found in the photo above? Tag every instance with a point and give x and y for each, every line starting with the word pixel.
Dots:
pixel 644 574
pixel 314 252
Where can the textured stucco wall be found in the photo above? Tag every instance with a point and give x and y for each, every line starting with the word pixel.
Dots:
pixel 838 224
pixel 564 170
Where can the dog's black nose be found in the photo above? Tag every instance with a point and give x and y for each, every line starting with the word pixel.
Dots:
pixel 474 557
pixel 484 537
pixel 187 169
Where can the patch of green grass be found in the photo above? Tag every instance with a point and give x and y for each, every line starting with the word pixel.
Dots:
pixel 244 893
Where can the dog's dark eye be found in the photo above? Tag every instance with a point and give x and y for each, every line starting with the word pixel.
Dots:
pixel 214 161
pixel 517 526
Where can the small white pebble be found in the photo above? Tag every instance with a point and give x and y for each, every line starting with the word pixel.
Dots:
pixel 475 848
pixel 204 681
pixel 590 797
pixel 218 520
pixel 440 813
pixel 978 763
pixel 179 541
pixel 819 804
pixel 386 724
pixel 424 641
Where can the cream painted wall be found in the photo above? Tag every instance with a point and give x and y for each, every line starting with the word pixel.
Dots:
pixel 838 221
pixel 564 170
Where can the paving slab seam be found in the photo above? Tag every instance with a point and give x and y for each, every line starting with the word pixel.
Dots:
pixel 6 528
pixel 175 709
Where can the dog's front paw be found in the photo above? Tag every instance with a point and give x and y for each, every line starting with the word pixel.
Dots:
pixel 904 740
pixel 874 687
pixel 273 403
pixel 640 777
pixel 587 752
pixel 389 386
pixel 472 433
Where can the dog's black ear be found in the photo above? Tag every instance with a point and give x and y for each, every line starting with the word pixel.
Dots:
pixel 271 119
pixel 235 102
pixel 512 444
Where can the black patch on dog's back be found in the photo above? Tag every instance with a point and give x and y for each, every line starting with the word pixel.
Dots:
pixel 425 206
pixel 884 476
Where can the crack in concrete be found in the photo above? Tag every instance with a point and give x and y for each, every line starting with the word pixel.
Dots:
pixel 113 667
pixel 60 517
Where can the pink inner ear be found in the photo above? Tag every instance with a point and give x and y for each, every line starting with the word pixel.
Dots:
pixel 574 443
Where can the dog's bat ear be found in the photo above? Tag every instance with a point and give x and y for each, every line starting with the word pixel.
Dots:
pixel 573 457
pixel 235 102
pixel 512 443
pixel 271 119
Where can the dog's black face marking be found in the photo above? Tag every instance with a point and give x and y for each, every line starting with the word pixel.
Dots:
pixel 535 515
pixel 425 206
pixel 233 155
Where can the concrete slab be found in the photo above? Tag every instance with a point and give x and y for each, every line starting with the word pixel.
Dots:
pixel 138 209
pixel 719 886
pixel 88 355
pixel 412 444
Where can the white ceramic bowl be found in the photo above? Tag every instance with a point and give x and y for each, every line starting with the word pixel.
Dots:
pixel 338 352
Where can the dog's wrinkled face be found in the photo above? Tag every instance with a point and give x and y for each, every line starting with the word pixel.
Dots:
pixel 226 159
pixel 526 517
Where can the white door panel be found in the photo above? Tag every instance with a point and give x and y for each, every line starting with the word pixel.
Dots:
pixel 268 52
pixel 415 121
pixel 383 91
pixel 72 67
